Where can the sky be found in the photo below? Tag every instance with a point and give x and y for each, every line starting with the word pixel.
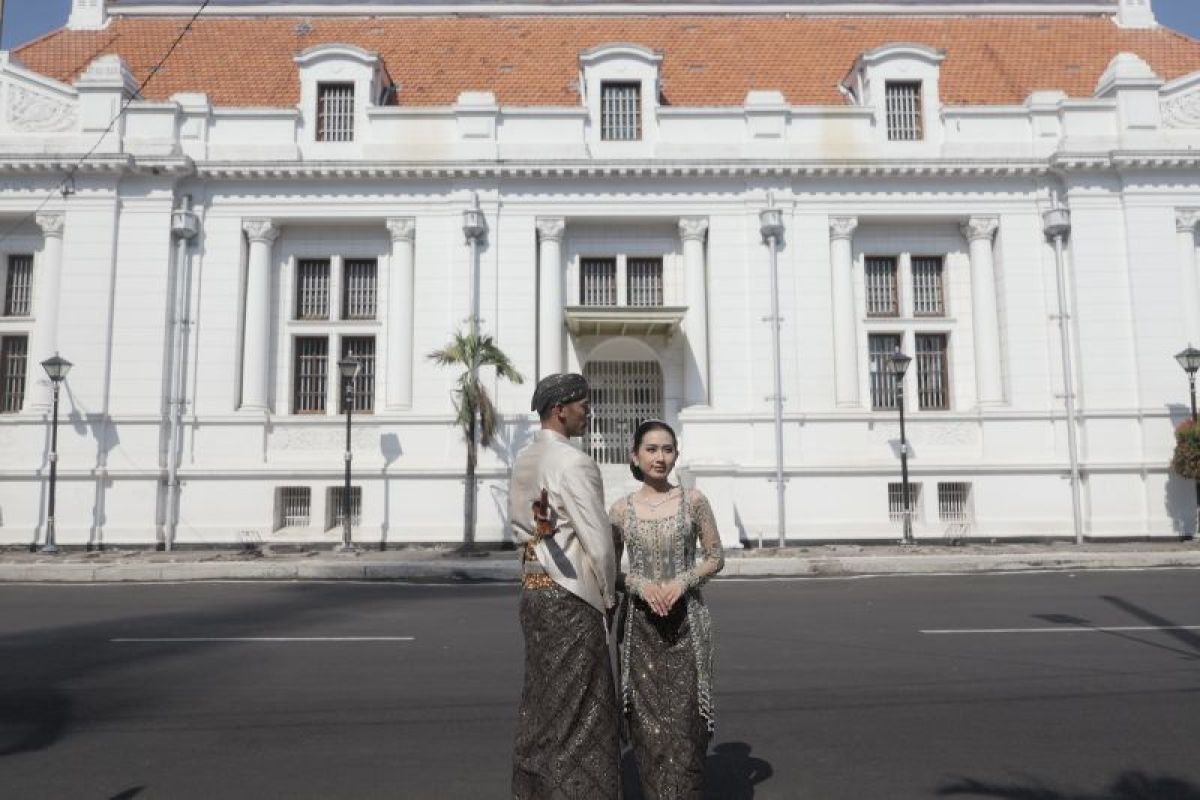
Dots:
pixel 27 19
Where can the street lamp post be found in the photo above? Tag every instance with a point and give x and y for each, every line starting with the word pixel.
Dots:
pixel 1189 359
pixel 897 365
pixel 56 368
pixel 771 228
pixel 1056 225
pixel 348 369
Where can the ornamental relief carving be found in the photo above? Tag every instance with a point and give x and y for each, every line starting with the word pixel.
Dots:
pixel 1182 111
pixel 284 437
pixel 38 113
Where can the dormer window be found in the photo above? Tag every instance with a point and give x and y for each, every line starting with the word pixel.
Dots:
pixel 903 102
pixel 620 111
pixel 335 112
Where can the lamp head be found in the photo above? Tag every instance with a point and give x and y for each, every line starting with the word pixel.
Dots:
pixel 57 368
pixel 1189 359
pixel 770 223
pixel 349 367
pixel 897 363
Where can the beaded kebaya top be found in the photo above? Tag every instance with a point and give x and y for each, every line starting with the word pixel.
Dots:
pixel 663 548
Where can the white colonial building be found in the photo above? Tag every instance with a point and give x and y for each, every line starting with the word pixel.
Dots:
pixel 621 156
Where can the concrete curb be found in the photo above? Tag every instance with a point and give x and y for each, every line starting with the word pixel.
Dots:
pixel 506 568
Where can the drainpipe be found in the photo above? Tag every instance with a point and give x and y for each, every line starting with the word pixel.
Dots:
pixel 1056 224
pixel 184 227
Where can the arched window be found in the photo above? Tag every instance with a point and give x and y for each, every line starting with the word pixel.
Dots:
pixel 623 393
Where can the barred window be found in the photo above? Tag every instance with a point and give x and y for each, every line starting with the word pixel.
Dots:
pixel 311 375
pixel 335 112
pixel 954 502
pixel 598 281
pixel 933 391
pixel 896 501
pixel 645 286
pixel 312 288
pixel 623 394
pixel 333 506
pixel 293 506
pixel 13 360
pixel 18 286
pixel 620 112
pixel 883 383
pixel 358 288
pixel 883 297
pixel 903 105
pixel 363 390
pixel 928 290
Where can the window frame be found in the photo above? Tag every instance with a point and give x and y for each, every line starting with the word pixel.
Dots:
pixel 609 126
pixel 904 124
pixel 322 125
pixel 896 288
pixel 6 283
pixel 6 358
pixel 943 372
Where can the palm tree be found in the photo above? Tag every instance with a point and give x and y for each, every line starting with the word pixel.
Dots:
pixel 476 414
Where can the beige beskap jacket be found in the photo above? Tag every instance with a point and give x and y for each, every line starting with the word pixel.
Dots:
pixel 580 556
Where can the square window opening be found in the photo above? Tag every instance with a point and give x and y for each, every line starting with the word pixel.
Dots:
pixel 334 510
pixel 620 111
pixel 293 507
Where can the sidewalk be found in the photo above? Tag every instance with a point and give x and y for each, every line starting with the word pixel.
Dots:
pixel 430 564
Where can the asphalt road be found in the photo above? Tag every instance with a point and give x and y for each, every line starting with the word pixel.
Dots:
pixel 827 689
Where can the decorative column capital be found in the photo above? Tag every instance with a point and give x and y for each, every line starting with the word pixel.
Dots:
pixel 551 228
pixel 842 227
pixel 52 224
pixel 693 228
pixel 1186 219
pixel 403 229
pixel 261 230
pixel 980 228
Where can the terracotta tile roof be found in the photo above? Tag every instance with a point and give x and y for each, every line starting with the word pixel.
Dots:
pixel 708 60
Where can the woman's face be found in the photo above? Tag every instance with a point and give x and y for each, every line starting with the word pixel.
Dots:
pixel 656 454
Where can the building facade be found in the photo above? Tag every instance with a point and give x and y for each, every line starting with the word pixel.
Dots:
pixel 621 156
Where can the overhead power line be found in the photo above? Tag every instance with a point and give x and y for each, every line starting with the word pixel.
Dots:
pixel 69 179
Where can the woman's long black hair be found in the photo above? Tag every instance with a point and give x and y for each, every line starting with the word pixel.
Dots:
pixel 645 427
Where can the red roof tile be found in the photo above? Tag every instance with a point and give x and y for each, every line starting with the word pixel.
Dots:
pixel 708 60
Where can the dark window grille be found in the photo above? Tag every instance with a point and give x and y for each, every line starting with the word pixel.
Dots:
pixel 928 288
pixel 954 502
pixel 312 369
pixel 903 101
pixel 896 501
pixel 883 297
pixel 359 289
pixel 620 112
pixel 598 281
pixel 312 288
pixel 623 394
pixel 334 516
pixel 18 286
pixel 335 112
pixel 363 390
pixel 645 285
pixel 293 507
pixel 933 389
pixel 13 360
pixel 883 383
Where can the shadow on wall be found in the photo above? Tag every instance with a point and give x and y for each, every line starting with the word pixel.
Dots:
pixel 390 449
pixel 1129 785
pixel 1179 494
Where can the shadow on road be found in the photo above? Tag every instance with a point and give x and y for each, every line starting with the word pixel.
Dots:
pixel 128 794
pixel 730 773
pixel 38 706
pixel 1130 785
pixel 1189 639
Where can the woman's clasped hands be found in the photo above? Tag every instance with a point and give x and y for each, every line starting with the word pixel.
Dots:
pixel 661 597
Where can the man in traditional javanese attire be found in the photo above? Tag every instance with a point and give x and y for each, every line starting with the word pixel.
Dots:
pixel 566 743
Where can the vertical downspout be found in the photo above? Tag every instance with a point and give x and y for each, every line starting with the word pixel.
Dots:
pixel 184 227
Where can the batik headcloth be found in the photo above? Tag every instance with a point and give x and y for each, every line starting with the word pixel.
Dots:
pixel 558 389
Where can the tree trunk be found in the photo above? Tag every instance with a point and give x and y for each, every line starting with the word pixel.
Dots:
pixel 469 499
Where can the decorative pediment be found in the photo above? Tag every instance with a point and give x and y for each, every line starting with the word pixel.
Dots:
pixel 1181 102
pixel 36 104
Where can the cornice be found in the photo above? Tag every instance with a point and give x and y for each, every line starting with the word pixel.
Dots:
pixel 246 170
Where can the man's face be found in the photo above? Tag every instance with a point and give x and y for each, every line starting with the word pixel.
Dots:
pixel 574 416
